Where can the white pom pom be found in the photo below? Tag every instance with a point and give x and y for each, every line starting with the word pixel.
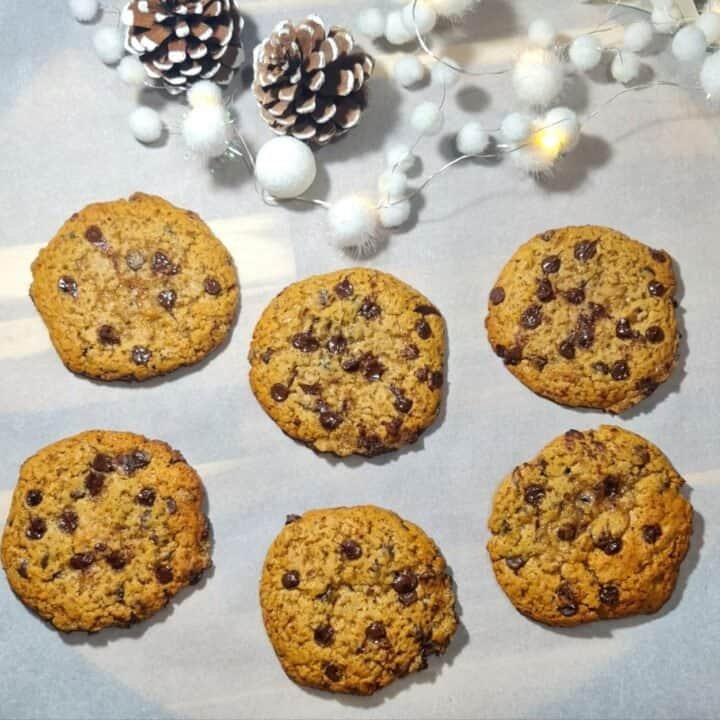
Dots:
pixel 541 33
pixel 530 160
pixel 204 92
pixel 551 136
pixel 145 125
pixel 666 20
pixel 538 77
pixel 285 167
pixel 710 76
pixel 393 184
pixel 352 220
pixel 441 74
pixel 371 22
pixel 562 125
pixel 425 17
pixel 689 44
pixel 408 71
pixel 452 8
pixel 392 216
pixel 109 45
pixel 427 118
pixel 709 23
pixel 395 31
pixel 625 66
pixel 516 128
pixel 131 71
pixel 638 35
pixel 205 130
pixel 585 52
pixel 472 139
pixel 84 10
pixel 399 156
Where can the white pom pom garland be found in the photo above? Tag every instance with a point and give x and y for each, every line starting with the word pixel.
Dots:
pixel 541 33
pixel 689 44
pixel 145 125
pixel 205 130
pixel 131 71
pixel 441 74
pixel 285 167
pixel 109 45
pixel 709 23
pixel 204 92
pixel 352 219
pixel 371 22
pixel 395 31
pixel 393 216
pixel 561 129
pixel 638 35
pixel 625 66
pixel 408 71
pixel 393 184
pixel 452 8
pixel 585 52
pixel 427 118
pixel 399 156
pixel 84 10
pixel 538 77
pixel 666 19
pixel 516 128
pixel 710 77
pixel 472 139
pixel 425 17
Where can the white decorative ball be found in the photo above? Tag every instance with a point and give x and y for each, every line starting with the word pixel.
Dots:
pixel 625 66
pixel 563 122
pixel 425 17
pixel 109 45
pixel 394 215
pixel 408 70
pixel 204 92
pixel 516 128
pixel 441 74
pixel 145 125
pixel 638 35
pixel 285 167
pixel 371 22
pixel 541 33
pixel 538 77
pixel 709 23
pixel 666 20
pixel 395 31
pixel 452 8
pixel 205 130
pixel 689 44
pixel 585 52
pixel 532 160
pixel 84 10
pixel 131 71
pixel 710 76
pixel 427 118
pixel 399 156
pixel 472 139
pixel 352 219
pixel 393 184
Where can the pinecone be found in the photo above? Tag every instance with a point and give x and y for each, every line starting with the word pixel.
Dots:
pixel 309 82
pixel 182 41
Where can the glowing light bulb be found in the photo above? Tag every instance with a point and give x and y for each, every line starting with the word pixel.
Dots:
pixel 551 141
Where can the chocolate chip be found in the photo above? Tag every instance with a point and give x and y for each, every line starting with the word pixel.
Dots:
pixel 103 463
pixel 164 574
pixel 350 549
pixel 585 251
pixel 609 595
pixel 436 380
pixel 107 335
pixel 330 420
pixel 375 632
pixel 408 598
pixel 369 310
pixel 531 317
pixel 620 370
pixel 651 533
pixel 402 404
pixel 423 329
pixel 513 355
pixel 515 562
pixel 336 344
pixel 94 235
pixel 279 392
pixel 36 529
pixel 289 519
pixel 344 289
pixel 130 462
pixel 68 521
pixel 167 298
pixel 597 311
pixel 171 506
pixel 534 494
pixel 373 369
pixel 100 547
pixel 623 329
pixel 81 561
pixel 575 296
pixel 313 389
pixel 656 289
pixel 162 266
pixel 393 427
pixel 33 498
pixel 497 295
pixel 654 334
pixel 548 235
pixel 135 259
pixel 576 434
pixel 22 569
pixel 611 486
pixel 405 582
pixel 568 610
pixel 371 444
pixel 305 342
pixel 323 635
pixel 601 367
pixel 567 532
pixel 646 386
pixel 116 560
pixel 421 374
pixel 212 286
pixel 427 310
pixel 658 256
pixel 265 357
pixel 567 349
pixel 141 355
pixel 291 579
pixel 550 264
pixel 351 365
pixel 565 595
pixel 334 672
pixel 67 285
pixel 410 352
pixel 610 545
pixel 146 497
pixel 545 292
pixel 585 332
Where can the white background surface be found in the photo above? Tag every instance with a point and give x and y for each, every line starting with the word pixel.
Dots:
pixel 648 166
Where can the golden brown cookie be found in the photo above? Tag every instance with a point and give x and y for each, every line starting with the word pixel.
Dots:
pixel 134 288
pixel 594 527
pixel 585 316
pixel 354 598
pixel 350 362
pixel 104 528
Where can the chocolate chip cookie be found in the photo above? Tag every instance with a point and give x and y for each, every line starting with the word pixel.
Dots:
pixel 585 316
pixel 350 363
pixel 104 528
pixel 594 527
pixel 134 288
pixel 354 598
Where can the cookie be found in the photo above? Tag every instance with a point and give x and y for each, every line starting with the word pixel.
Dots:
pixel 134 288
pixel 594 527
pixel 350 363
pixel 585 316
pixel 354 598
pixel 104 528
